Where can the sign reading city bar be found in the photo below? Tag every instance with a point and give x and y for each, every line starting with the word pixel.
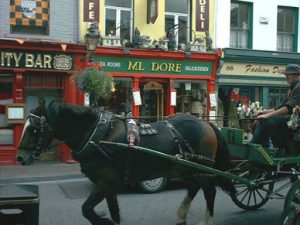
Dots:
pixel 36 60
pixel 156 66
pixel 252 69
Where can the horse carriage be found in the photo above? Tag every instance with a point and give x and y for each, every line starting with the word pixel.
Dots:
pixel 111 152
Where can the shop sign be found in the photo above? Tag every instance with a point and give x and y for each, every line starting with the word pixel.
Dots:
pixel 36 60
pixel 202 15
pixel 91 11
pixel 252 69
pixel 155 66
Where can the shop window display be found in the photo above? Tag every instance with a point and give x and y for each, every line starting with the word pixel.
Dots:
pixel 6 91
pixel 121 99
pixel 191 98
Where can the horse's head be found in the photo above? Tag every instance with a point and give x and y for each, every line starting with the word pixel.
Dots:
pixel 37 135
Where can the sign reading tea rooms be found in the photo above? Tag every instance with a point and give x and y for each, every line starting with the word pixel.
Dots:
pixel 36 60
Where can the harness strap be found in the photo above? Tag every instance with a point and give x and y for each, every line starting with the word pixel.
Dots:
pixel 182 144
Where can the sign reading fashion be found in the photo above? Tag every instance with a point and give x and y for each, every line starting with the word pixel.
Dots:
pixel 150 66
pixel 36 60
pixel 202 15
pixel 252 69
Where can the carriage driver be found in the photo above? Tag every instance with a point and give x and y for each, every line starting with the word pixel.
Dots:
pixel 273 122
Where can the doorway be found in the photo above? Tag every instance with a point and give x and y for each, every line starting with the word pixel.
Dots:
pixel 153 95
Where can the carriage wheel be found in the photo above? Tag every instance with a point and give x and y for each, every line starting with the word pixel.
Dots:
pixel 251 197
pixel 290 216
pixel 292 199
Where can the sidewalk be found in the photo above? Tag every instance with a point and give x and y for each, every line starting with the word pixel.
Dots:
pixel 39 172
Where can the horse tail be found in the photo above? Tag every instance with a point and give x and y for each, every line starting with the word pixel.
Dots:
pixel 222 161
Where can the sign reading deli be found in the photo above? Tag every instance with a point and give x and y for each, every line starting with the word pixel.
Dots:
pixel 36 60
pixel 252 69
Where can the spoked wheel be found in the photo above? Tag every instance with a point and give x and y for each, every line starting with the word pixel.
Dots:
pixel 251 197
pixel 292 199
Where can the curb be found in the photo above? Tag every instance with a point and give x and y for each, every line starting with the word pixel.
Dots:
pixel 38 179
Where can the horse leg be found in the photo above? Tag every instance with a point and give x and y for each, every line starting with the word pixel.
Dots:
pixel 88 209
pixel 185 205
pixel 210 195
pixel 113 206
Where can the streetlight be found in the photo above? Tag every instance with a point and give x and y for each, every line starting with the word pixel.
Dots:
pixel 92 39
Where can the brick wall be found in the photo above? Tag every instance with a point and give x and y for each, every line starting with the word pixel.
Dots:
pixel 63 21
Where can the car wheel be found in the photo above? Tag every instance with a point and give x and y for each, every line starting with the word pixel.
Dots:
pixel 153 186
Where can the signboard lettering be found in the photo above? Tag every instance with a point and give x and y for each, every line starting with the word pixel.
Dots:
pixel 252 69
pixel 202 15
pixel 177 67
pixel 50 61
pixel 91 11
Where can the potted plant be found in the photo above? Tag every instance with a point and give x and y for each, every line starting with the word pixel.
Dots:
pixel 92 80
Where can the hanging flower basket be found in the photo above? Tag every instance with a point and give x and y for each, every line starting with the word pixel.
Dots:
pixel 94 81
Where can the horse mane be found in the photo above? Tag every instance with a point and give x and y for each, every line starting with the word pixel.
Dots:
pixel 68 117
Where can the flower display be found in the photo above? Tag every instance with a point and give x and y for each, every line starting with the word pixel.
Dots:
pixel 94 81
pixel 248 110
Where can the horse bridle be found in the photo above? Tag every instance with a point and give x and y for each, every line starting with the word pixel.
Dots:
pixel 43 127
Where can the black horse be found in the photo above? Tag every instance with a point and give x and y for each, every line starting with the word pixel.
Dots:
pixel 110 166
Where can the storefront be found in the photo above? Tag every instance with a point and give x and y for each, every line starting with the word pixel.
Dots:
pixel 31 74
pixel 252 75
pixel 154 84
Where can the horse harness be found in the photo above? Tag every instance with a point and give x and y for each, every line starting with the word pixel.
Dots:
pixel 44 127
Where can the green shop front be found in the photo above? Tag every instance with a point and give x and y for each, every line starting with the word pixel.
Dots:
pixel 154 84
pixel 252 75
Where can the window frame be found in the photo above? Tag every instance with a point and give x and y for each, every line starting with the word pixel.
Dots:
pixel 250 25
pixel 176 16
pixel 295 29
pixel 118 19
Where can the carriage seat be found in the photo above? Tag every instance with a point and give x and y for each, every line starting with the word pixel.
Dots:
pixel 19 204
pixel 233 135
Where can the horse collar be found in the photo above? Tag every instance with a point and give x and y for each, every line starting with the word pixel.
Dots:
pixel 104 118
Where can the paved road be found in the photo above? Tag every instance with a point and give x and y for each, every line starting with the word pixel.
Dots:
pixel 61 205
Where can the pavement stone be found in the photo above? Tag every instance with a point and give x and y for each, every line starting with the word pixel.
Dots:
pixel 46 171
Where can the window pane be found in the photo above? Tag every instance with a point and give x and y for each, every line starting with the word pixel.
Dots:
pixel 169 23
pixel 234 15
pixel 239 22
pixel 285 29
pixel 110 22
pixel 243 17
pixel 125 24
pixel 183 29
pixel 119 3
pixel 178 6
pixel 191 97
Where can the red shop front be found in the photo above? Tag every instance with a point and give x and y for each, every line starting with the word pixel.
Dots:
pixel 154 84
pixel 33 73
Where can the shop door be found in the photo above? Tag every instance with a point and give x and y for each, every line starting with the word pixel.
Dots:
pixel 153 96
pixel 35 98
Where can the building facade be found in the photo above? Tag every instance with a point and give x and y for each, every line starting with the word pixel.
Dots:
pixel 257 45
pixel 38 56
pixel 161 53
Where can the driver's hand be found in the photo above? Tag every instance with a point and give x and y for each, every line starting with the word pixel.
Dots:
pixel 259 112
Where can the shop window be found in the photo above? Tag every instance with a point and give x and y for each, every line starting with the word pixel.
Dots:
pixel 121 99
pixel 240 25
pixel 177 20
pixel 30 18
pixel 287 29
pixel 191 97
pixel 276 96
pixel 6 97
pixel 118 18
